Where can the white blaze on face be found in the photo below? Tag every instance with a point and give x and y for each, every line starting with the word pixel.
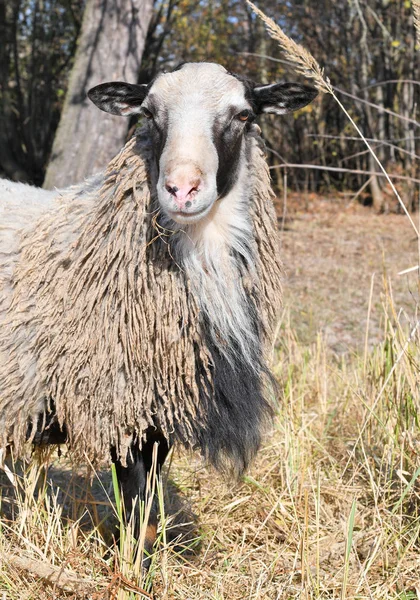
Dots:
pixel 189 107
pixel 195 114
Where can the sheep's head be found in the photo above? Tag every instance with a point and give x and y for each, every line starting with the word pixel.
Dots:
pixel 198 116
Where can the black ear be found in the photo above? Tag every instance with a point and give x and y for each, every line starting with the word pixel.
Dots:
pixel 281 98
pixel 118 98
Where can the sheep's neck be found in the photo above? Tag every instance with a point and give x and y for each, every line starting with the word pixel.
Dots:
pixel 216 254
pixel 225 229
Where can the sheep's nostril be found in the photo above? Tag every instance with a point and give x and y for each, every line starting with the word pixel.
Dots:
pixel 172 189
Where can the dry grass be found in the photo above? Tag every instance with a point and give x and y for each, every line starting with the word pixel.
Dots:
pixel 330 508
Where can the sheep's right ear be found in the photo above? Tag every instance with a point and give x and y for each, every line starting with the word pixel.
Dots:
pixel 119 98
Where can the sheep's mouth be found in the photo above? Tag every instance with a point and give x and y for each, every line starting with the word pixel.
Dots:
pixel 181 216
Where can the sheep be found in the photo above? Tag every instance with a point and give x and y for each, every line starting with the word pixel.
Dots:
pixel 139 306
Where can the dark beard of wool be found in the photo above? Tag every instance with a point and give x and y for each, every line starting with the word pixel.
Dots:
pixel 239 412
pixel 234 410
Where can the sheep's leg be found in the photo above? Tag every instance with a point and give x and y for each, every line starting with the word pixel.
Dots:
pixel 133 484
pixel 48 431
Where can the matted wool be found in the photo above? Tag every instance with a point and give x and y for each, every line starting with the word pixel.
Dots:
pixel 98 320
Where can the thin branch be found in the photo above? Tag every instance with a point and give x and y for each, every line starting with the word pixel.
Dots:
pixel 276 153
pixel 342 170
pixel 379 83
pixel 379 108
pixel 350 137
pixel 358 139
pixel 356 154
pixel 56 576
pixel 379 22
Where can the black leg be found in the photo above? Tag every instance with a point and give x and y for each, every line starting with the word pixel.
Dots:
pixel 133 483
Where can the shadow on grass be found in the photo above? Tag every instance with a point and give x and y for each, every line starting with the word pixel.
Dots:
pixel 86 498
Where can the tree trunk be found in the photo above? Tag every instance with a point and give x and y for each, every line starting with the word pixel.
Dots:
pixel 110 48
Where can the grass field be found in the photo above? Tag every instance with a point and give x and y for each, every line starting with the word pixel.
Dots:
pixel 330 509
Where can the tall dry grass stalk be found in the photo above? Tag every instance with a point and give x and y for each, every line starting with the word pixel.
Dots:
pixel 305 64
pixel 416 11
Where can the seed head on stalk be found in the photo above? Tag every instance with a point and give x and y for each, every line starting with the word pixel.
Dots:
pixel 303 61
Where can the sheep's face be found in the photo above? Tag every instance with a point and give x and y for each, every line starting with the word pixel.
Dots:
pixel 198 117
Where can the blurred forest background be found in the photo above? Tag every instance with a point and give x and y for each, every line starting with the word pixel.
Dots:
pixel 53 51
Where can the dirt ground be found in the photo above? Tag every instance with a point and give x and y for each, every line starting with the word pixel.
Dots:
pixel 331 253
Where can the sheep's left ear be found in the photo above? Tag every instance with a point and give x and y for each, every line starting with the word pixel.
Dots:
pixel 281 98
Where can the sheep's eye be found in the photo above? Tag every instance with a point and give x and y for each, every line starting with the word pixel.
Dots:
pixel 147 113
pixel 243 115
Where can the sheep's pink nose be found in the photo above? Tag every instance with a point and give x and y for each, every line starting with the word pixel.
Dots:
pixel 183 192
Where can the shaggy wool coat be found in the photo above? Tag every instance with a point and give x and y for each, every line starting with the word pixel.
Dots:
pixel 99 322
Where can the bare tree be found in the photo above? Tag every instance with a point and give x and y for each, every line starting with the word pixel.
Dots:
pixel 110 47
pixel 37 45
